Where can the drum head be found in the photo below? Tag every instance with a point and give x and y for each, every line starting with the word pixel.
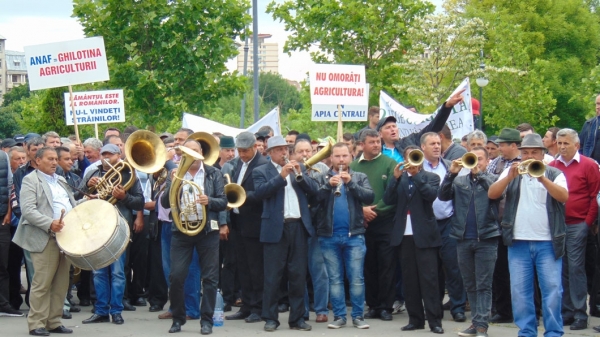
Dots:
pixel 88 227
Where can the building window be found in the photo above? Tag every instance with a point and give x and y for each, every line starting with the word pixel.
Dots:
pixel 15 78
pixel 17 64
pixel 0 63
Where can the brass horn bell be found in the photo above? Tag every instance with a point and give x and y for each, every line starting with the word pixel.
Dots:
pixel 236 195
pixel 469 160
pixel 209 145
pixel 145 151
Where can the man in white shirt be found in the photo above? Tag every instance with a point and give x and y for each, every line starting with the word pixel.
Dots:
pixel 533 228
pixel 285 227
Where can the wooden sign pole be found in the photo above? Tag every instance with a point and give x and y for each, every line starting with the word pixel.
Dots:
pixel 74 116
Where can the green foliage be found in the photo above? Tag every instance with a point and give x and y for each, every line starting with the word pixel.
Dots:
pixel 169 56
pixel 444 51
pixel 373 33
pixel 561 40
pixel 274 90
pixel 16 94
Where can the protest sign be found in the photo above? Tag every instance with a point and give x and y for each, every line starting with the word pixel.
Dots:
pixel 460 121
pixel 350 113
pixel 66 63
pixel 91 107
pixel 337 84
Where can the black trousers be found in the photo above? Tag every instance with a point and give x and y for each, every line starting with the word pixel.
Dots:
pixel 227 268
pixel 15 258
pixel 182 249
pixel 250 264
pixel 380 269
pixel 158 292
pixel 137 263
pixel 501 300
pixel 291 254
pixel 4 278
pixel 420 282
pixel 85 285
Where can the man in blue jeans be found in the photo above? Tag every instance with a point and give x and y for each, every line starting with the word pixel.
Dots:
pixel 110 281
pixel 533 228
pixel 341 234
pixel 475 226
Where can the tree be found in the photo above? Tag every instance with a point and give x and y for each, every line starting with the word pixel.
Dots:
pixel 561 40
pixel 16 94
pixel 169 56
pixel 373 33
pixel 274 90
pixel 444 51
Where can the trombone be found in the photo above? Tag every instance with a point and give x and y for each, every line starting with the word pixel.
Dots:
pixel 414 158
pixel 535 168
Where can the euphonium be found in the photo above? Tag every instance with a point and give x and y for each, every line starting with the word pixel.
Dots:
pixel 469 160
pixel 112 178
pixel 415 158
pixel 533 167
pixel 183 197
pixel 236 196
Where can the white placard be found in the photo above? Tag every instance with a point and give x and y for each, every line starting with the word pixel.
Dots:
pixel 350 113
pixel 338 84
pixel 460 120
pixel 66 63
pixel 91 107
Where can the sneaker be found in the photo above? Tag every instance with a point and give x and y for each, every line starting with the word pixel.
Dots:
pixel 8 311
pixel 337 323
pixel 470 331
pixel 398 307
pixel 481 332
pixel 360 323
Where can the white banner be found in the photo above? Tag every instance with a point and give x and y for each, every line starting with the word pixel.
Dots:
pixel 460 121
pixel 338 84
pixel 91 107
pixel 350 113
pixel 198 123
pixel 66 63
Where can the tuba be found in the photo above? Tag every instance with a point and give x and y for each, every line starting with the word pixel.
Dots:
pixel 469 160
pixel 183 196
pixel 236 196
pixel 535 168
pixel 209 145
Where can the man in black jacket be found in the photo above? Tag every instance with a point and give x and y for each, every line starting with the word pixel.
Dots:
pixel 341 233
pixel 206 243
pixel 245 222
pixel 475 226
pixel 413 191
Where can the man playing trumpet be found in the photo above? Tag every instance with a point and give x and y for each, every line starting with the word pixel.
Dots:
pixel 474 225
pixel 533 228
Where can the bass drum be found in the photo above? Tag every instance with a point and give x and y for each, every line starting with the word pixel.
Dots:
pixel 94 236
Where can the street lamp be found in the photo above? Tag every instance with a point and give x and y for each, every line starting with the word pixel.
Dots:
pixel 481 82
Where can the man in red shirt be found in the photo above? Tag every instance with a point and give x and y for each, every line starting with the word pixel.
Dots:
pixel 581 211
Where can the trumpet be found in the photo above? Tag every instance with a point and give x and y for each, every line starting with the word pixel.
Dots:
pixel 338 189
pixel 535 168
pixel 469 161
pixel 297 174
pixel 415 158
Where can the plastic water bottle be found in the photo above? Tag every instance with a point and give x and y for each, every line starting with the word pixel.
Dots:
pixel 218 316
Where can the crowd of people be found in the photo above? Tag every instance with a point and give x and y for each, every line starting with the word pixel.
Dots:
pixel 506 225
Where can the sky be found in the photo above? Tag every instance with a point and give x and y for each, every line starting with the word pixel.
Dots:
pixel 31 22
